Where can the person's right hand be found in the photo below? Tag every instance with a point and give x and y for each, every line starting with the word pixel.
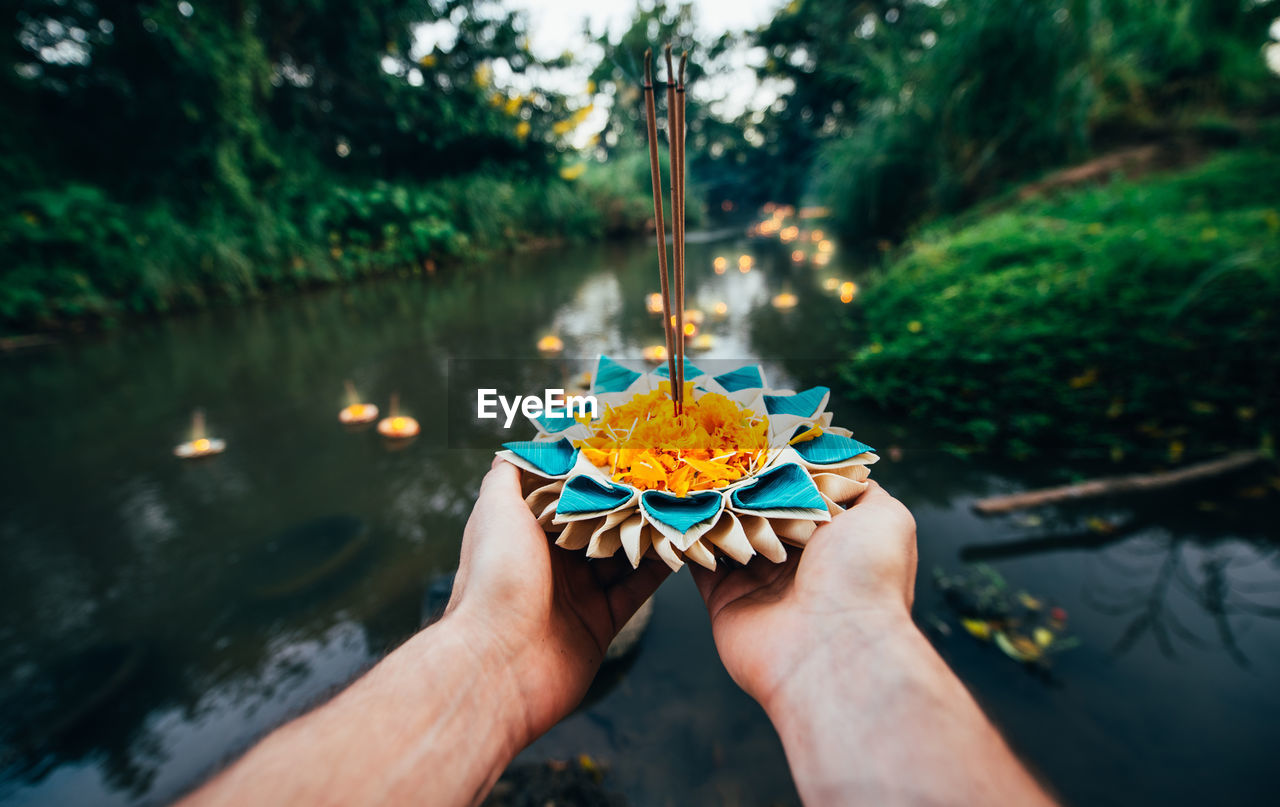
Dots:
pixel 852 583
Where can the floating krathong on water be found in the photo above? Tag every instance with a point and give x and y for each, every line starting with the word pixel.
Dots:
pixel 356 413
pixel 679 462
pixel 397 426
pixel 199 445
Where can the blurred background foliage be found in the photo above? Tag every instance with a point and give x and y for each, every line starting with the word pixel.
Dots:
pixel 158 155
pixel 915 109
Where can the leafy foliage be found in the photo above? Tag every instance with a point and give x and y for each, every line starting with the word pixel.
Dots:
pixel 926 107
pixel 1139 317
pixel 165 154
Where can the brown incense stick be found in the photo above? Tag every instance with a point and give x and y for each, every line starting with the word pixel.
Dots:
pixel 680 141
pixel 660 226
pixel 673 148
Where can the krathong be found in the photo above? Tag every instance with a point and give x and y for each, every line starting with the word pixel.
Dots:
pixel 199 445
pixel 356 412
pixel 679 462
pixel 744 470
pixel 397 426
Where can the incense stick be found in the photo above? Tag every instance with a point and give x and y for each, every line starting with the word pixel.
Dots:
pixel 673 147
pixel 660 226
pixel 680 140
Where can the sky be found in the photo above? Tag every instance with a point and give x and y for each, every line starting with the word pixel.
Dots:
pixel 557 26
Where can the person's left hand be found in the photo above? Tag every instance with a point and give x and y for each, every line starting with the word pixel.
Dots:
pixel 545 613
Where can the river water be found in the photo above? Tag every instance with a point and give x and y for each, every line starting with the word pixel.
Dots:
pixel 159 615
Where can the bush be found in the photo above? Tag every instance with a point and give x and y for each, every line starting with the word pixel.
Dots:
pixel 75 253
pixel 1008 90
pixel 1140 317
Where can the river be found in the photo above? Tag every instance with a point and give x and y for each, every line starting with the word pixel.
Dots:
pixel 160 615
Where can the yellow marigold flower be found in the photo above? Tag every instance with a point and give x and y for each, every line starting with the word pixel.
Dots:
pixel 522 129
pixel 513 105
pixel 484 75
pixel 915 326
pixel 645 444
pixel 428 60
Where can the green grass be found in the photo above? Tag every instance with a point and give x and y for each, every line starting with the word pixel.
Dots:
pixel 1136 319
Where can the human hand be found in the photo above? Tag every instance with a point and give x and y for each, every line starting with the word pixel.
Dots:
pixel 853 581
pixel 543 614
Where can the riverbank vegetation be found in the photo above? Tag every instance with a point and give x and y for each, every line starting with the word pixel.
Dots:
pixel 164 156
pixel 929 108
pixel 1140 318
pixel 1023 309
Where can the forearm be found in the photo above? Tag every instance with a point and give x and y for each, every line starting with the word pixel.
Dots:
pixel 883 720
pixel 435 722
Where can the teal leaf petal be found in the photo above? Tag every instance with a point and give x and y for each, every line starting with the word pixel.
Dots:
pixel 744 377
pixel 783 488
pixel 612 377
pixel 552 458
pixel 827 448
pixel 680 512
pixel 585 494
pixel 804 404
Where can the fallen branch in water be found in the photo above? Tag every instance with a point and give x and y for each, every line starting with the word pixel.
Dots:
pixel 1117 484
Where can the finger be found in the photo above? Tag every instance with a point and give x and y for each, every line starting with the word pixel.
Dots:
pixel 502 481
pixel 875 503
pixel 875 494
pixel 626 597
pixel 704 579
pixel 610 571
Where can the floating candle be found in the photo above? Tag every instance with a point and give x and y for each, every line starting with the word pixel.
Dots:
pixel 397 426
pixel 199 445
pixel 356 412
